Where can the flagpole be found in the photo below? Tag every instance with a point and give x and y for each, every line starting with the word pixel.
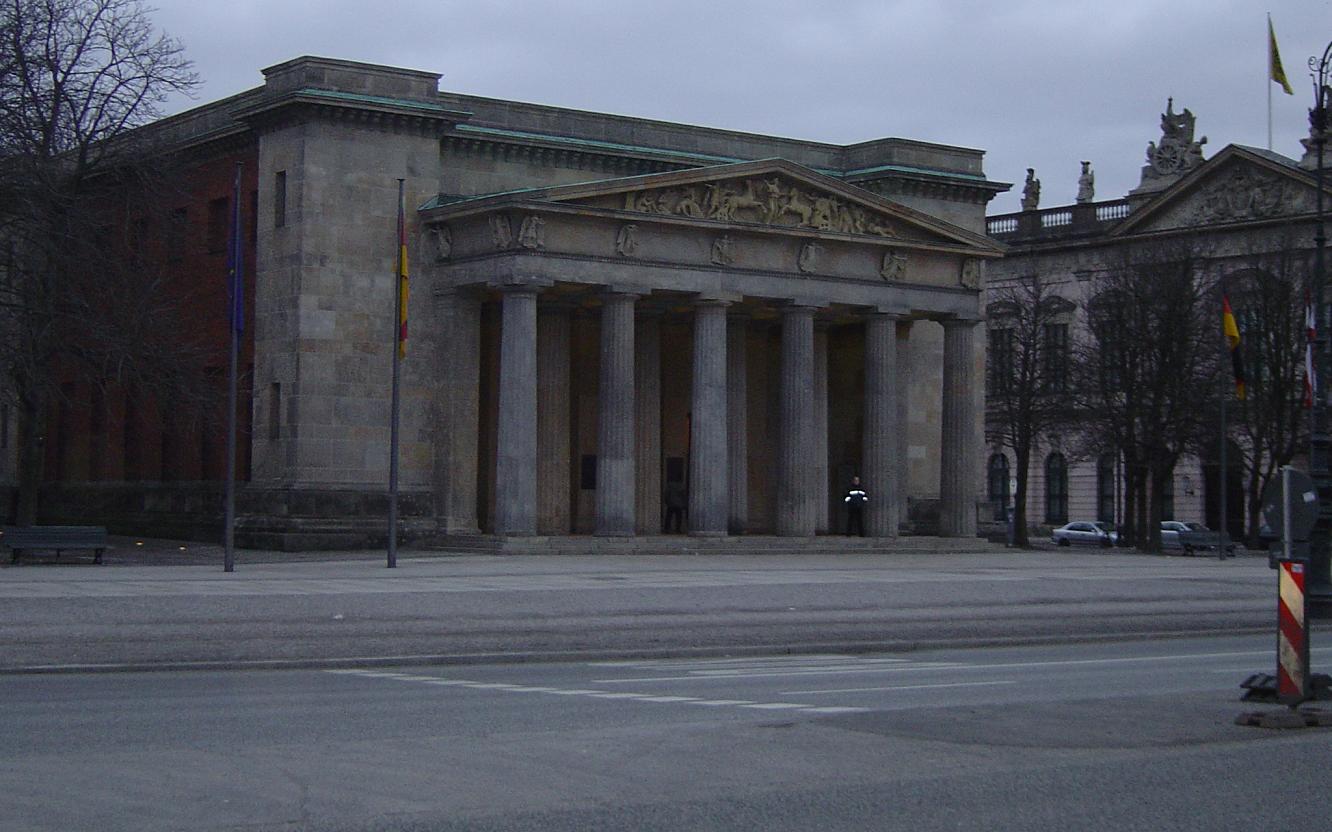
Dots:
pixel 1268 83
pixel 397 375
pixel 233 324
pixel 1224 477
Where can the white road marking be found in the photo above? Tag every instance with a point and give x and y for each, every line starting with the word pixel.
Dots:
pixel 594 694
pixel 720 675
pixel 897 687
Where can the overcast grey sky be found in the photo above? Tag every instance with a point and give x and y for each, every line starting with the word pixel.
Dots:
pixel 1035 83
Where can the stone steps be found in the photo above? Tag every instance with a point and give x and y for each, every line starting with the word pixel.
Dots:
pixel 687 545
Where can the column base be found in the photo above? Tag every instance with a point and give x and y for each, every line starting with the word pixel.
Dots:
pixel 693 533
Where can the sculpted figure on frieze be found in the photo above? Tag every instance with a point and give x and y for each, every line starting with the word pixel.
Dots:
pixel 441 243
pixel 722 255
pixel 532 233
pixel 501 232
pixel 810 254
pixel 971 273
pixel 770 201
pixel 893 267
pixel 626 242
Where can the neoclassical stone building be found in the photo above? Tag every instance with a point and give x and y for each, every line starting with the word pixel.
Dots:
pixel 1245 210
pixel 603 309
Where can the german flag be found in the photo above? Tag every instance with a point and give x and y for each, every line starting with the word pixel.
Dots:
pixel 1231 331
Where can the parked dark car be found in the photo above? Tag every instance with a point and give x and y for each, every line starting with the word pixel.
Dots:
pixel 1191 537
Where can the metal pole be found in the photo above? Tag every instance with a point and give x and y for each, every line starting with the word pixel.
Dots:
pixel 397 374
pixel 1285 512
pixel 234 325
pixel 1319 579
pixel 1224 476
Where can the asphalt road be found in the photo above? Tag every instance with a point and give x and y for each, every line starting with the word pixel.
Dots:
pixel 1102 736
pixel 479 609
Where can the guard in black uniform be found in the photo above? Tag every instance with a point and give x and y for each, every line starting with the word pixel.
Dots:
pixel 855 508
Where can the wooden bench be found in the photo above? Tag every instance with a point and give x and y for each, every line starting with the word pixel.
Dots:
pixel 60 538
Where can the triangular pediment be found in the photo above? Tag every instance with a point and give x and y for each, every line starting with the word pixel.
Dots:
pixel 772 194
pixel 1237 185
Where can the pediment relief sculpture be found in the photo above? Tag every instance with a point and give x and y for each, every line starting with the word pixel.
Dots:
pixel 769 201
pixel 1245 193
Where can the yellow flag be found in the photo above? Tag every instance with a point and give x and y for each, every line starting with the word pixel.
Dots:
pixel 1274 68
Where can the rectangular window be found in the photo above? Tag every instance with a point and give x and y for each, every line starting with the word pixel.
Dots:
pixel 4 426
pixel 275 410
pixel 1001 361
pixel 280 199
pixel 252 227
pixel 1056 358
pixel 176 231
pixel 218 226
pixel 587 480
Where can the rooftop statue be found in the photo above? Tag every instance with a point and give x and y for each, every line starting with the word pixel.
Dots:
pixel 1177 152
pixel 1086 184
pixel 1031 191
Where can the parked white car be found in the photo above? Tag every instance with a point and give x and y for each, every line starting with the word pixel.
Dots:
pixel 1085 533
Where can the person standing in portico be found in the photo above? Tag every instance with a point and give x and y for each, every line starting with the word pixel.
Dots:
pixel 855 507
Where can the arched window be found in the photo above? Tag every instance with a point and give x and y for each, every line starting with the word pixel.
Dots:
pixel 1056 489
pixel 998 486
pixel 1105 488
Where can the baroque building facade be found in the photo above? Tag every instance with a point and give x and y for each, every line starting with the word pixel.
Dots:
pixel 603 309
pixel 1239 213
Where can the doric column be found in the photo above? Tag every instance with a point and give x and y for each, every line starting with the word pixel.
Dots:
pixel 819 450
pixel 515 437
pixel 459 410
pixel 647 421
pixel 615 418
pixel 903 417
pixel 554 326
pixel 708 480
pixel 879 466
pixel 795 492
pixel 957 504
pixel 737 427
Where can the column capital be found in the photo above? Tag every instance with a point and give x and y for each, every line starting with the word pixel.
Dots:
pixel 711 303
pixel 631 292
pixel 526 288
pixel 889 312
pixel 958 322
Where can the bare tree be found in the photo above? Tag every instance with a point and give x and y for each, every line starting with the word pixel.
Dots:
pixel 1268 299
pixel 78 182
pixel 1027 392
pixel 1150 358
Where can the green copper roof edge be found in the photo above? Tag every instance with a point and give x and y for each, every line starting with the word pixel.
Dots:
pixel 920 171
pixel 375 99
pixel 518 134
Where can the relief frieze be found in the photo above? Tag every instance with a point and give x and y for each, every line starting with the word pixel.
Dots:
pixel 769 201
pixel 1244 193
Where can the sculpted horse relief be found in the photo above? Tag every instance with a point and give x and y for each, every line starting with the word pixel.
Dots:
pixel 767 201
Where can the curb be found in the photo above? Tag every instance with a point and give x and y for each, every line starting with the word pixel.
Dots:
pixel 557 656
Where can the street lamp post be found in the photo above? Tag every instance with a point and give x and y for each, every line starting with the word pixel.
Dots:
pixel 1319 587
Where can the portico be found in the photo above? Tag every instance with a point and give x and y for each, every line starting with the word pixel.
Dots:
pixel 739 330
